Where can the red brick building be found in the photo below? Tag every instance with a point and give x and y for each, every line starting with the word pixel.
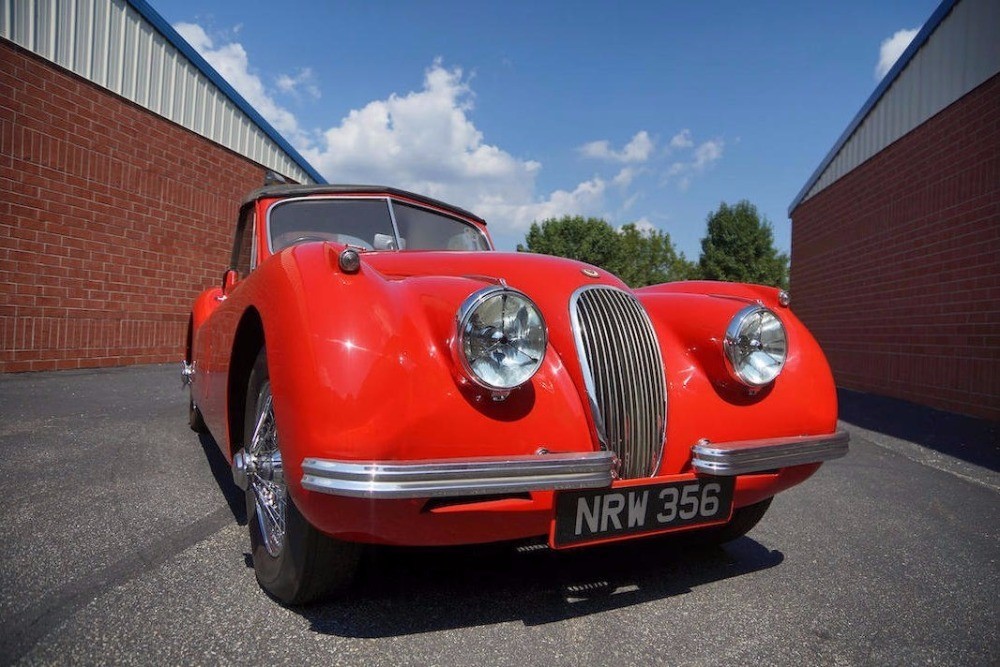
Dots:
pixel 896 236
pixel 123 159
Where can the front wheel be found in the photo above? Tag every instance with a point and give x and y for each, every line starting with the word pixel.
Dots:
pixel 742 521
pixel 294 562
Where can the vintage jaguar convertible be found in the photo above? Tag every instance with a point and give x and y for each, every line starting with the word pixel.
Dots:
pixel 377 373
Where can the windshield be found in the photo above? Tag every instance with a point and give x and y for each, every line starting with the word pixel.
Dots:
pixel 422 229
pixel 368 224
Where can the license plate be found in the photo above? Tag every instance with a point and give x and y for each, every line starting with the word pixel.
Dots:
pixel 595 515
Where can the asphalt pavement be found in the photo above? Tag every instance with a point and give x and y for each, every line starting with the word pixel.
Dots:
pixel 123 543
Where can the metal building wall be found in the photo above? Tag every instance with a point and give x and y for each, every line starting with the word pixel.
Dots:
pixel 111 44
pixel 962 53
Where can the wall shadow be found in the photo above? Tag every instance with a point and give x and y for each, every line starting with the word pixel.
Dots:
pixel 405 591
pixel 973 440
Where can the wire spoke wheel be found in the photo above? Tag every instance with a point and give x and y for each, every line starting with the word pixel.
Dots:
pixel 270 495
pixel 293 561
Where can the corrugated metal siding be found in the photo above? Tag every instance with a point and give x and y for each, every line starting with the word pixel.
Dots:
pixel 110 43
pixel 961 54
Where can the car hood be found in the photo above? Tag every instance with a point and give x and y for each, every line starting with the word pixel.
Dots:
pixel 440 281
pixel 529 272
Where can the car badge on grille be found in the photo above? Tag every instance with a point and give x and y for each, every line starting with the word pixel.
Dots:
pixel 590 273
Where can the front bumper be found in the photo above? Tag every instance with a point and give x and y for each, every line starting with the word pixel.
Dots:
pixel 548 472
pixel 459 477
pixel 747 456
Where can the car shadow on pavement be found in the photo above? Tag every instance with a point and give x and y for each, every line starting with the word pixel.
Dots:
pixel 404 591
pixel 224 478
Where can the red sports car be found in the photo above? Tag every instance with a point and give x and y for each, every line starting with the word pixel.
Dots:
pixel 377 373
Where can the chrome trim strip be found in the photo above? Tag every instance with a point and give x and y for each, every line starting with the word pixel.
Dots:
pixel 458 477
pixel 395 226
pixel 588 376
pixel 747 456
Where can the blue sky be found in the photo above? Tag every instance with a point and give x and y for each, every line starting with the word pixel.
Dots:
pixel 644 112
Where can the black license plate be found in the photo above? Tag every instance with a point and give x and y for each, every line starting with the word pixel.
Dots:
pixel 598 514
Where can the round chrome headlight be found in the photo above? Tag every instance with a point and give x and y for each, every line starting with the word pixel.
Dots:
pixel 755 346
pixel 501 338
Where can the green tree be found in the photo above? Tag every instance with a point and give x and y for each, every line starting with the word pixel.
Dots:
pixel 739 247
pixel 647 257
pixel 639 257
pixel 590 240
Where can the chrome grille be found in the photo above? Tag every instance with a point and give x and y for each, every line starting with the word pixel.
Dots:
pixel 623 371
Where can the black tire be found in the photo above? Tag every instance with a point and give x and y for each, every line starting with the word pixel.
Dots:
pixel 309 565
pixel 195 420
pixel 742 521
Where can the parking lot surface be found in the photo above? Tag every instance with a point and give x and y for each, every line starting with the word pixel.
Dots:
pixel 123 543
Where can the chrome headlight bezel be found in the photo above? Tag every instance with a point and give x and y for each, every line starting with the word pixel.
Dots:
pixel 742 349
pixel 468 310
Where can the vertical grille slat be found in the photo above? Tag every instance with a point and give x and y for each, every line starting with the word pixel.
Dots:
pixel 611 394
pixel 623 370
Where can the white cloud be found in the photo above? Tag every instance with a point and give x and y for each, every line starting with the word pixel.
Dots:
pixel 304 80
pixel 701 159
pixel 423 141
pixel 625 177
pixel 644 225
pixel 638 149
pixel 598 149
pixel 707 153
pixel 681 140
pixel 231 61
pixel 513 216
pixel 890 51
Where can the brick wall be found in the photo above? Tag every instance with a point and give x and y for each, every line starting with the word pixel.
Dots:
pixel 896 266
pixel 112 219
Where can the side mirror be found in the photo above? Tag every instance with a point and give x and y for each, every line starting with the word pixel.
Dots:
pixel 229 280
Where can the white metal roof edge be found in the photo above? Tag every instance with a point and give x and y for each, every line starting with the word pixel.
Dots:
pixel 181 44
pixel 918 41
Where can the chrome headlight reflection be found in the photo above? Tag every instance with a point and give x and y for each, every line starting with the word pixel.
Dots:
pixel 501 338
pixel 755 346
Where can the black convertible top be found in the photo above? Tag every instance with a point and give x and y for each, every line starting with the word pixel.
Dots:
pixel 287 190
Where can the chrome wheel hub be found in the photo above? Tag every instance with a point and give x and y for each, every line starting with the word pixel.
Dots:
pixel 259 469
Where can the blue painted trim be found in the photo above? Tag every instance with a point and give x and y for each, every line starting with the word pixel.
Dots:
pixel 181 45
pixel 918 41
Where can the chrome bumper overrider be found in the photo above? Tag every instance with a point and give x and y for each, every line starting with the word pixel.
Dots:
pixel 738 458
pixel 458 477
